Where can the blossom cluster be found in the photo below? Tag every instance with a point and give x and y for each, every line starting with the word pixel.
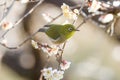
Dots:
pixel 68 13
pixel 6 25
pixel 64 65
pixel 52 74
pixel 49 49
pixel 49 73
pixel 97 7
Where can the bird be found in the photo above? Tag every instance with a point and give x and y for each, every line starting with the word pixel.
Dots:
pixel 58 33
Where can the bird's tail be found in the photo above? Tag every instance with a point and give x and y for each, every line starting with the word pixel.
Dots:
pixel 42 30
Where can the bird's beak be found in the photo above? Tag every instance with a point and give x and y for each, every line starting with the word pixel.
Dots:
pixel 77 30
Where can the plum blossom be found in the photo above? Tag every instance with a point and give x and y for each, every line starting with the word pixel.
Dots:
pixel 47 73
pixel 24 1
pixel 65 8
pixel 65 64
pixel 6 25
pixel 57 75
pixel 76 11
pixel 68 13
pixel 116 3
pixel 94 6
pixel 52 74
pixel 106 18
pixel 118 14
pixel 34 44
pixel 49 49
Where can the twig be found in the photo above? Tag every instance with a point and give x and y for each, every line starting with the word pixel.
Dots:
pixel 84 21
pixel 41 77
pixel 80 9
pixel 5 13
pixel 30 37
pixel 83 4
pixel 29 12
pixel 34 0
pixel 63 47
pixel 8 46
pixel 55 18
pixel 74 7
pixel 59 58
pixel 110 30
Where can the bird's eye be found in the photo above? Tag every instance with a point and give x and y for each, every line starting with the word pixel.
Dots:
pixel 70 29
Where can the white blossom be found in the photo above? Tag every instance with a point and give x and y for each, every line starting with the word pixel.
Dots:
pixel 34 44
pixel 106 18
pixel 6 25
pixel 50 74
pixel 68 13
pixel 65 7
pixel 95 6
pixel 116 3
pixel 47 73
pixel 57 75
pixel 106 5
pixel 49 49
pixel 118 14
pixel 76 11
pixel 24 1
pixel 65 65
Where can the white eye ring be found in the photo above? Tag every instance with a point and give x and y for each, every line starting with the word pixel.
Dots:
pixel 70 29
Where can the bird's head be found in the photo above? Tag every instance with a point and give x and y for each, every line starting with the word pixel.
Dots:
pixel 68 30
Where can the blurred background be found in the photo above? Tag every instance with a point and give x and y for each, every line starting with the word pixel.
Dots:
pixel 94 54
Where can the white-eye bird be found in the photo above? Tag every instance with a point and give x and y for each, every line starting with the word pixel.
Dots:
pixel 58 33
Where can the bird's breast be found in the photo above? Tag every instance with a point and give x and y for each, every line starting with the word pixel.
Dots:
pixel 58 40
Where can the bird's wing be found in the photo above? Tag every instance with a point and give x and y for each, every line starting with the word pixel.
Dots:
pixel 46 27
pixel 53 31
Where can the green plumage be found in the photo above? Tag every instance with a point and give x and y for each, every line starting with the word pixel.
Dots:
pixel 59 33
pixel 53 31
